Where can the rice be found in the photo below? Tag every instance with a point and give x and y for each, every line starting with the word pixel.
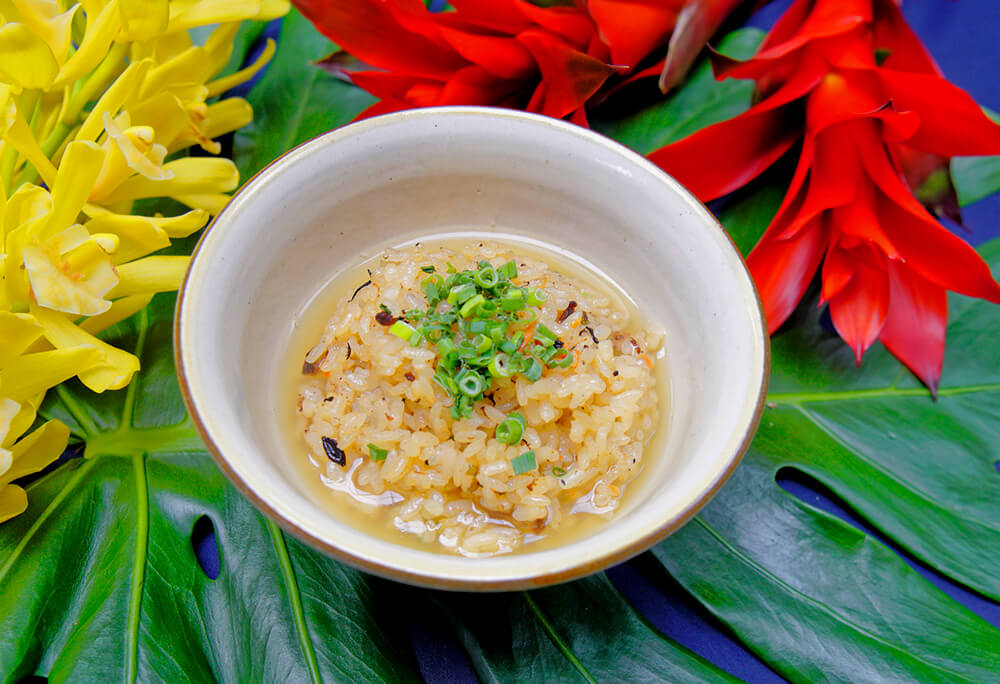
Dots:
pixel 448 481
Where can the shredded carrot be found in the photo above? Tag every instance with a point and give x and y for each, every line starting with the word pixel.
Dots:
pixel 326 374
pixel 646 360
pixel 529 333
pixel 575 323
pixel 614 490
pixel 576 359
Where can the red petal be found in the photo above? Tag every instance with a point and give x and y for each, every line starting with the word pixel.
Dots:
pixel 788 24
pixel 837 273
pixel 474 85
pixel 951 121
pixel 917 323
pixel 783 269
pixel 833 178
pixel 570 77
pixel 695 25
pixel 892 33
pixel 569 22
pixel 924 244
pixel 827 18
pixel 372 32
pixel 501 56
pixel 859 309
pixel 633 29
pixel 725 156
pixel 929 178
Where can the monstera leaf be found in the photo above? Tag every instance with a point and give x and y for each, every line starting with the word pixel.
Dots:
pixel 819 599
pixel 99 579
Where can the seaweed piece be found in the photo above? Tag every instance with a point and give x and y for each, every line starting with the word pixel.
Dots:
pixel 334 452
pixel 362 286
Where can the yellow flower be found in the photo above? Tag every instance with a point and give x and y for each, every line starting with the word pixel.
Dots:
pixel 97 101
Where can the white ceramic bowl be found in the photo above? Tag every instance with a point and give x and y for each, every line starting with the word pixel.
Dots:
pixel 391 179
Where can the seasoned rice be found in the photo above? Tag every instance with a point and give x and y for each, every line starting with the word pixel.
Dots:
pixel 450 482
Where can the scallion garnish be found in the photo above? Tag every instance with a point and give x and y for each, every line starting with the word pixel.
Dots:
pixel 377 454
pixel 479 333
pixel 523 463
pixel 558 472
pixel 511 429
pixel 402 330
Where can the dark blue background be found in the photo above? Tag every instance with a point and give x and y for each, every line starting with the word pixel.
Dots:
pixel 962 36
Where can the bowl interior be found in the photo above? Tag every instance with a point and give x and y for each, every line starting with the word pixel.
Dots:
pixel 347 195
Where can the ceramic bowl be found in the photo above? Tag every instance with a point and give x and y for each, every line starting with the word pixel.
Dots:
pixel 392 179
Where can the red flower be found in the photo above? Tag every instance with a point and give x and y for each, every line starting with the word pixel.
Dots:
pixel 849 82
pixel 511 53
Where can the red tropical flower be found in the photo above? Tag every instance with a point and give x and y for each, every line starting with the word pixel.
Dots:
pixel 849 82
pixel 512 53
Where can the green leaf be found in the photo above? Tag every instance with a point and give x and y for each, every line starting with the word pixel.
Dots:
pixel 294 100
pixel 812 595
pixel 699 102
pixel 975 178
pixel 583 631
pixel 99 580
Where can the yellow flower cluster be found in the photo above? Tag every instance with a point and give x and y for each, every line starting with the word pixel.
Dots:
pixel 95 99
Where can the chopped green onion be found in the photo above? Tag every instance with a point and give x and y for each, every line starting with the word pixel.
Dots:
pixel 500 366
pixel 508 270
pixel 543 354
pixel 513 344
pixel 431 287
pixel 461 292
pixel 562 358
pixel 486 309
pixel 524 318
pixel 558 472
pixel 510 430
pixel 402 330
pixel 536 297
pixel 512 299
pixel 497 333
pixel 416 338
pixel 479 326
pixel 533 370
pixel 376 453
pixel 486 277
pixel 466 349
pixel 470 306
pixel 471 383
pixel 482 343
pixel 545 335
pixel 523 463
pixel 427 269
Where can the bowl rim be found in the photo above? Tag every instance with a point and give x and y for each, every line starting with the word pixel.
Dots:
pixel 442 580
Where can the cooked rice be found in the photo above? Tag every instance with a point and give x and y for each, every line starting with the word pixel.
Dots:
pixel 450 482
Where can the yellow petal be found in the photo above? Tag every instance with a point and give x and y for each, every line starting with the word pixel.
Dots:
pixel 18 134
pixel 192 175
pixel 35 373
pixel 138 235
pixel 43 446
pixel 13 502
pixel 165 114
pixel 73 282
pixel 25 59
pixel 119 311
pixel 170 45
pixel 19 417
pixel 182 225
pixel 81 163
pixel 149 275
pixel 122 91
pixel 144 19
pixel 213 203
pixel 187 14
pixel 8 411
pixel 272 9
pixel 47 21
pixel 113 368
pixel 221 85
pixel 220 118
pixel 101 30
pixel 18 331
pixel 28 202
pixel 6 460
pixel 129 151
